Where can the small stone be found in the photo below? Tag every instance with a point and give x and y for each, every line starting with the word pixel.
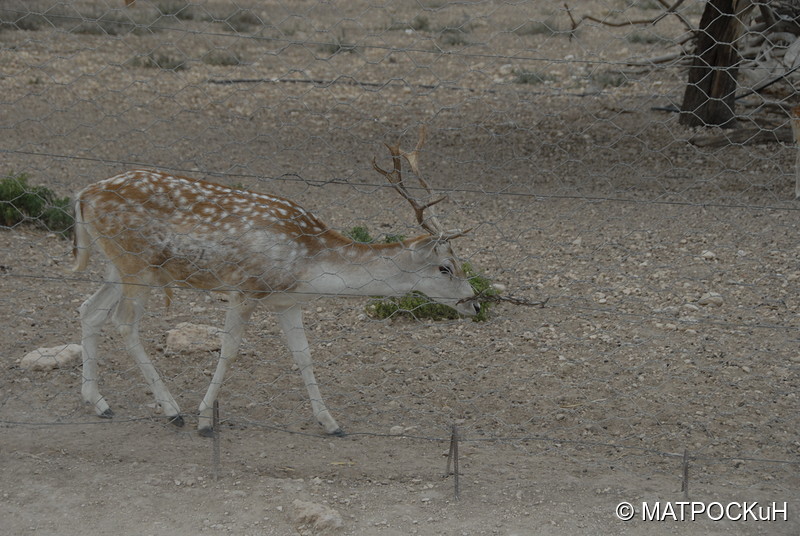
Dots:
pixel 322 518
pixel 710 298
pixel 52 358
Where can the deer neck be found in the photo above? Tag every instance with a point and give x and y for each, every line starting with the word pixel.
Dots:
pixel 356 269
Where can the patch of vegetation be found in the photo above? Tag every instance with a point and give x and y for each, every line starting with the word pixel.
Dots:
pixel 606 79
pixel 391 238
pixel 547 27
pixel 91 22
pixel 180 9
pixel 531 78
pixel 224 58
pixel 243 21
pixel 647 39
pixel 29 22
pixel 112 24
pixel 337 46
pixel 159 61
pixel 416 305
pixel 420 23
pixel 360 234
pixel 649 4
pixel 101 21
pixel 453 37
pixel 22 203
pixel 455 33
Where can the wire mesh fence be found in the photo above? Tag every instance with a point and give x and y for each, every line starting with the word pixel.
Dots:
pixel 662 257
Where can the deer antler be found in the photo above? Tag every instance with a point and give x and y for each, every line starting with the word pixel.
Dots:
pixel 395 178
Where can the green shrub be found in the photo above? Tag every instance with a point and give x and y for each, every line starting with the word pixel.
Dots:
pixel 20 203
pixel 58 216
pixel 416 305
pixel 483 287
pixel 360 234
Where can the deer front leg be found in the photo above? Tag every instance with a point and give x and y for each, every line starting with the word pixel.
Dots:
pixel 291 321
pixel 235 320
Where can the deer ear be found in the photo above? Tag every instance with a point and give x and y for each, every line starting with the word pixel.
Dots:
pixel 433 240
pixel 424 245
pixel 453 234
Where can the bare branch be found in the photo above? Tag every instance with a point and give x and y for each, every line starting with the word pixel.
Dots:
pixel 669 10
pixel 514 300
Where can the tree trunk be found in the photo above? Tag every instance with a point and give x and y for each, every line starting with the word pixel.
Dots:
pixel 709 99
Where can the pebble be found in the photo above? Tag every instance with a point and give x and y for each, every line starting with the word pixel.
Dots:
pixel 711 298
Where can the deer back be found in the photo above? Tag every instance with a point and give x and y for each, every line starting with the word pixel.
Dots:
pixel 161 228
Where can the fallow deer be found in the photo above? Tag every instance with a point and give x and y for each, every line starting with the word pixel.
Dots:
pixel 165 231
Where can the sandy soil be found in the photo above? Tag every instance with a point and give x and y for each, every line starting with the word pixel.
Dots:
pixel 670 273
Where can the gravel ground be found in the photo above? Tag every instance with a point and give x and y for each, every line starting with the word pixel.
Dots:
pixel 669 272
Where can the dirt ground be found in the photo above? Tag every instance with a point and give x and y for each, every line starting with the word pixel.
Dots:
pixel 669 272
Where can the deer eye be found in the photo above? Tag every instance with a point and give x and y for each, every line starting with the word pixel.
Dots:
pixel 446 269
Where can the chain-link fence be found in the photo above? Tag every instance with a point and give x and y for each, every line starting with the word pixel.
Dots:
pixel 644 269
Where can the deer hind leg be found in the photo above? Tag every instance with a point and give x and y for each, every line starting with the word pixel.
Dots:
pixel 94 313
pixel 127 317
pixel 291 321
pixel 235 321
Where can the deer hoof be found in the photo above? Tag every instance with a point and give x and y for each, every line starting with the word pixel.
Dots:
pixel 107 414
pixel 205 432
pixel 176 420
pixel 338 433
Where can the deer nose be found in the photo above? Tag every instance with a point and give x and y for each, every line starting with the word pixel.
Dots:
pixel 477 307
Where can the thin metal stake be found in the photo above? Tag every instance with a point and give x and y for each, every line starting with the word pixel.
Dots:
pixel 685 484
pixel 453 457
pixel 215 428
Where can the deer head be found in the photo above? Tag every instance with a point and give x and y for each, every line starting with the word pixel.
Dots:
pixel 434 249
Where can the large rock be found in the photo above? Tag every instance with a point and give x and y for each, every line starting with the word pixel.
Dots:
pixel 318 517
pixel 62 356
pixel 188 337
